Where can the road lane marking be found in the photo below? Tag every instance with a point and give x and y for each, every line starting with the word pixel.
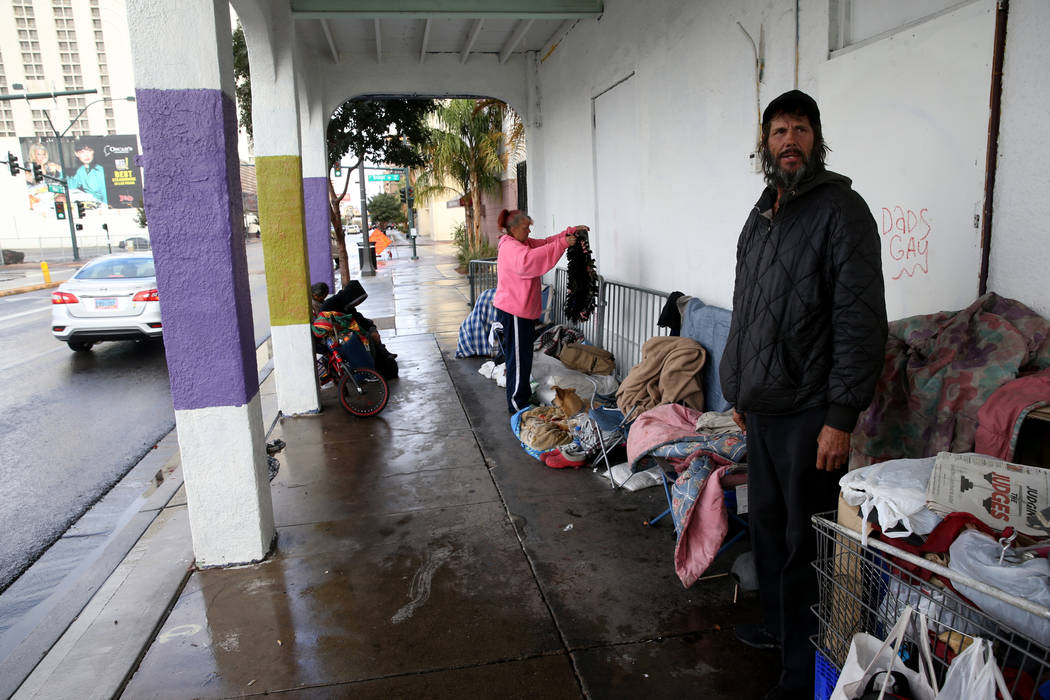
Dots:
pixel 27 360
pixel 24 313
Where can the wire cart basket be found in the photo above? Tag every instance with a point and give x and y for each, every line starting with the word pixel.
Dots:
pixel 864 589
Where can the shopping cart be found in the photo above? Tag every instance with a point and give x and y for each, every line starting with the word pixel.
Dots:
pixel 864 589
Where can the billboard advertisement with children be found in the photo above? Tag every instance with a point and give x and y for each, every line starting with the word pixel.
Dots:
pixel 100 171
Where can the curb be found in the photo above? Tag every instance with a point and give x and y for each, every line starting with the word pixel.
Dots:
pixel 30 288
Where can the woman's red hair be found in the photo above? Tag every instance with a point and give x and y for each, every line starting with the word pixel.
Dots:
pixel 507 216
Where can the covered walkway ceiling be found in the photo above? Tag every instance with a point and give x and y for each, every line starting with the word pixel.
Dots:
pixel 418 28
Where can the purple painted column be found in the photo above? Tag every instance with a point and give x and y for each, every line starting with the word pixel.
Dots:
pixel 188 129
pixel 318 224
pixel 192 192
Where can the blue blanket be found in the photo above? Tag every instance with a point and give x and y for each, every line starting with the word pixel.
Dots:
pixel 474 331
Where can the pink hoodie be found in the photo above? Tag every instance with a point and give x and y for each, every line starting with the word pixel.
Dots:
pixel 519 267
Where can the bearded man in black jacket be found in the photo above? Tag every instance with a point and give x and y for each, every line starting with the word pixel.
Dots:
pixel 804 352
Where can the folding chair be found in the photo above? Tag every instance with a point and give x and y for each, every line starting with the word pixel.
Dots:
pixel 728 498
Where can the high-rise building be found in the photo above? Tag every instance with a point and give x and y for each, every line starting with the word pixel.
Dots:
pixel 61 45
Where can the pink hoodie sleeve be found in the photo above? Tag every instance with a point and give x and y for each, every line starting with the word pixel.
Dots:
pixel 540 256
pixel 539 242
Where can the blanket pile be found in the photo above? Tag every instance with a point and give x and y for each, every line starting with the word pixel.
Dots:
pixel 938 372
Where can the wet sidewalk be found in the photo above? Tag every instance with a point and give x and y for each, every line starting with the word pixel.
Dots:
pixel 421 553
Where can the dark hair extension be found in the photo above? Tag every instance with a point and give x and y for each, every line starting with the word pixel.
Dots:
pixel 581 296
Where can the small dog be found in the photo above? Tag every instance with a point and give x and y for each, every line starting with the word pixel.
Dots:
pixel 567 400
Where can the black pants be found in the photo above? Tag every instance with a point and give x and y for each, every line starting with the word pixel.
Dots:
pixel 518 337
pixel 784 490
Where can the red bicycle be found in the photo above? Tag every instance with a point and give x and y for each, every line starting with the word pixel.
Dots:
pixel 363 392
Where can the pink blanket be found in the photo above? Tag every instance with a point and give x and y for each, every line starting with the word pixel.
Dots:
pixel 999 418
pixel 669 431
pixel 658 426
pixel 703 531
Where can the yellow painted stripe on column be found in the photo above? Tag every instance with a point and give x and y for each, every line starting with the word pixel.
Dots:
pixel 281 218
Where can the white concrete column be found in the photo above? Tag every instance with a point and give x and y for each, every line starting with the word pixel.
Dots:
pixel 269 32
pixel 188 127
pixel 312 124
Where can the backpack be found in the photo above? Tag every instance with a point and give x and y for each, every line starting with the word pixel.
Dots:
pixel 587 358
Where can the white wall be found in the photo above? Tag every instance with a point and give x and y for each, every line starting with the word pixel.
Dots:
pixel 906 115
pixel 694 86
pixel 1020 245
pixel 436 220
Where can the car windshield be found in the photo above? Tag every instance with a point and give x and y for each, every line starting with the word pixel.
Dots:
pixel 117 268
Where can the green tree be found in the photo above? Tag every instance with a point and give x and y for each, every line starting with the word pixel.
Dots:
pixel 393 132
pixel 467 155
pixel 242 76
pixel 361 128
pixel 140 214
pixel 385 208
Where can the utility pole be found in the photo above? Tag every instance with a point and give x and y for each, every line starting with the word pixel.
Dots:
pixel 65 186
pixel 39 175
pixel 58 138
pixel 367 268
pixel 411 216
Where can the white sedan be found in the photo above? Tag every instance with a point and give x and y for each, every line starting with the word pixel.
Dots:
pixel 111 298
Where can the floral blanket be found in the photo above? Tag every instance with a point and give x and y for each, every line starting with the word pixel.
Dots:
pixel 668 432
pixel 938 372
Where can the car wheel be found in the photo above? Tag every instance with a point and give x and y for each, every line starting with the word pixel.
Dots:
pixel 77 346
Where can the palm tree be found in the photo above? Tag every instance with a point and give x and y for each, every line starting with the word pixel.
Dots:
pixel 468 154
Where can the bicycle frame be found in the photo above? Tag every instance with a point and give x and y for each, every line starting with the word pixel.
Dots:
pixel 339 368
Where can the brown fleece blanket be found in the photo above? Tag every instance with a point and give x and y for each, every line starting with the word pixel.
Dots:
pixel 670 371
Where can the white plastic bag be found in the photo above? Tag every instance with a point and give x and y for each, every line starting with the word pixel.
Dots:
pixel 624 478
pixel 974 675
pixel 977 555
pixel 896 489
pixel 869 656
pixel 929 600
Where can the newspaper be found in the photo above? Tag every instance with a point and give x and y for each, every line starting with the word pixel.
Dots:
pixel 1000 494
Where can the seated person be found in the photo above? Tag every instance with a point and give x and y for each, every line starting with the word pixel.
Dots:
pixel 342 333
pixel 345 302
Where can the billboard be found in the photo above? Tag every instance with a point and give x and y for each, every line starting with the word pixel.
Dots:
pixel 100 171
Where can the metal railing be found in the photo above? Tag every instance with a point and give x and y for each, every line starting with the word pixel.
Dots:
pixel 592 327
pixel 482 274
pixel 624 317
pixel 629 316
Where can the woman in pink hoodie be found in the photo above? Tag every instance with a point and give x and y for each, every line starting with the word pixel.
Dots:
pixel 521 262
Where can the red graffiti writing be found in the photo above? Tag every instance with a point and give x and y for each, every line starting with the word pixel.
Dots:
pixel 906 233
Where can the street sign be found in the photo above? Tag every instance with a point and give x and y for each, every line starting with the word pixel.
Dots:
pixel 52 187
pixel 387 177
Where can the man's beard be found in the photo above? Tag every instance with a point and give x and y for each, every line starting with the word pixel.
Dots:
pixel 776 176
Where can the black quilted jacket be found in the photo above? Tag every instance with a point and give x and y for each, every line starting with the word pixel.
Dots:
pixel 809 307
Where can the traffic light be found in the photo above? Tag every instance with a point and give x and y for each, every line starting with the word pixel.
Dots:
pixel 337 170
pixel 60 209
pixel 38 173
pixel 404 198
pixel 80 209
pixel 12 162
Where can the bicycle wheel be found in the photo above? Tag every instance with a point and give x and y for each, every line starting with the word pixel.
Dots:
pixel 370 400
